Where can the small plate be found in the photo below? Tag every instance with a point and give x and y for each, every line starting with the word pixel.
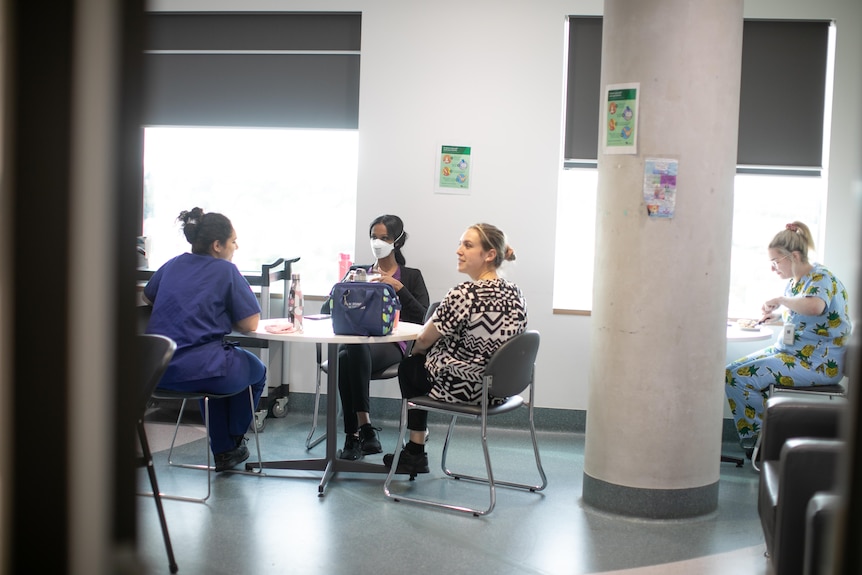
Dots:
pixel 748 325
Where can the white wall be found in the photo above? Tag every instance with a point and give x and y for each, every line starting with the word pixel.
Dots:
pixel 490 74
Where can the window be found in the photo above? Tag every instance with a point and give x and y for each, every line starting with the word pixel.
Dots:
pixel 774 184
pixel 254 115
pixel 285 70
pixel 576 239
pixel 287 192
pixel 790 58
pixel 762 205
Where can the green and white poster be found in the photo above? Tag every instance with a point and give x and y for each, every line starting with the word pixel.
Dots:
pixel 621 118
pixel 454 166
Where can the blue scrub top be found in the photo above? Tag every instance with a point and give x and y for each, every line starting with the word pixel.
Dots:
pixel 196 300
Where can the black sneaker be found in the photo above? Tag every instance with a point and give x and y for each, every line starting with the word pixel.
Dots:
pixel 368 439
pixel 232 458
pixel 408 463
pixel 352 448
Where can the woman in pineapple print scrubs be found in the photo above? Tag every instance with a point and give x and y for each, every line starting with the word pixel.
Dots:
pixel 815 302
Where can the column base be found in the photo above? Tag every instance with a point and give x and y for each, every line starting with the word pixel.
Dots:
pixel 650 503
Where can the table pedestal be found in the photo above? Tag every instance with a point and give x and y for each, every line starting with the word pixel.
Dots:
pixel 330 464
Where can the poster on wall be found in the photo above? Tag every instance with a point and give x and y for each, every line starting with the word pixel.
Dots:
pixel 660 186
pixel 621 118
pixel 454 169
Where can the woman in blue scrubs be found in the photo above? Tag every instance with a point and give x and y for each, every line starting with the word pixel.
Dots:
pixel 198 298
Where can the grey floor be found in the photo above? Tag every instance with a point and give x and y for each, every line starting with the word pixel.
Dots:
pixel 278 524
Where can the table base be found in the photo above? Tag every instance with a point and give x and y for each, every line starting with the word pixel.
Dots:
pixel 329 468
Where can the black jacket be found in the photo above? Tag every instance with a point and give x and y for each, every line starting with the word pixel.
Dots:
pixel 413 296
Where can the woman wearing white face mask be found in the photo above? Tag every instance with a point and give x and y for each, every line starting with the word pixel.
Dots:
pixel 356 362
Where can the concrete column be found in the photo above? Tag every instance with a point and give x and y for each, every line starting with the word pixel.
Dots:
pixel 654 417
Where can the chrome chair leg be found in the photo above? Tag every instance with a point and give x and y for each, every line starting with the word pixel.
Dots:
pixel 209 467
pixel 309 443
pixel 488 479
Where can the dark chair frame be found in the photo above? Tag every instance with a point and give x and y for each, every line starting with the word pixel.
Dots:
pixel 170 395
pixel 801 449
pixel 509 373
pixel 156 352
pixel 157 394
pixel 831 392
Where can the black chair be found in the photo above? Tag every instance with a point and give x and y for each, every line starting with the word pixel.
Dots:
pixel 800 449
pixel 165 394
pixel 155 352
pixel 509 373
pixel 832 391
pixel 323 369
pixel 824 509
pixel 836 391
pixel 144 313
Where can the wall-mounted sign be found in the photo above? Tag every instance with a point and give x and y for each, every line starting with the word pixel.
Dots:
pixel 660 187
pixel 454 169
pixel 621 118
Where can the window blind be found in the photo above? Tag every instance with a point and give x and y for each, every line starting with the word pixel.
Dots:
pixel 782 94
pixel 287 70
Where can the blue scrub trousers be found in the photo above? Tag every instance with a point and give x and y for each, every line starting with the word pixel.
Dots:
pixel 230 417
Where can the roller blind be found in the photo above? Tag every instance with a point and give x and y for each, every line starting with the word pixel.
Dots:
pixel 583 91
pixel 288 70
pixel 782 94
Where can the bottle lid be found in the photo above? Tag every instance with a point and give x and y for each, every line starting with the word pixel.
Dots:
pixel 344 256
pixel 294 276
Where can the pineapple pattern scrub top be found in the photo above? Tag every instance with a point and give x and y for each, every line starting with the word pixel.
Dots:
pixel 816 356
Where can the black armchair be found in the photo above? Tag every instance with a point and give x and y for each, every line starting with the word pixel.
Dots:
pixel 800 449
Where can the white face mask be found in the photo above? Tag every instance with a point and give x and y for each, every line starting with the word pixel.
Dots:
pixel 381 248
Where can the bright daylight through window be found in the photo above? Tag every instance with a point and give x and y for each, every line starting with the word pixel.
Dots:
pixel 784 179
pixel 288 193
pixel 762 205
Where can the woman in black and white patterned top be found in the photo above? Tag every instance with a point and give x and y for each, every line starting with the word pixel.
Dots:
pixel 473 320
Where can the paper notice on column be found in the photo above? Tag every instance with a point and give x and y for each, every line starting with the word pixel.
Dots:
pixel 621 118
pixel 660 186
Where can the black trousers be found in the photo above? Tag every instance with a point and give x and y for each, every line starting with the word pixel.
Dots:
pixel 356 363
pixel 414 381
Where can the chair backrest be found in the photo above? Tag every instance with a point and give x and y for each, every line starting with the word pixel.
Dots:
pixel 144 312
pixel 154 354
pixel 511 366
pixel 430 311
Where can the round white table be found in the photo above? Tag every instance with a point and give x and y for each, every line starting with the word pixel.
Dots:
pixel 735 333
pixel 320 331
